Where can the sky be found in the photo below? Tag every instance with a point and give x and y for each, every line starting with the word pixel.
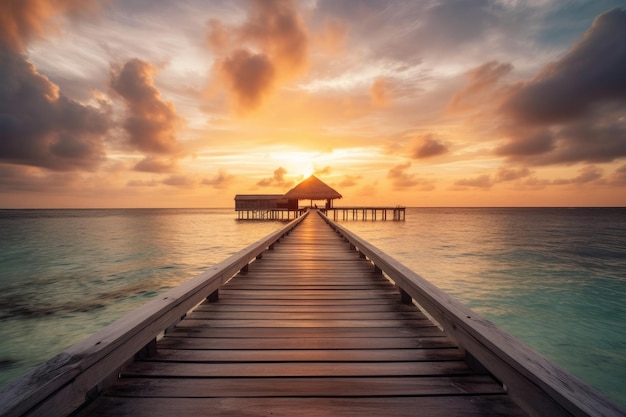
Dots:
pixel 186 103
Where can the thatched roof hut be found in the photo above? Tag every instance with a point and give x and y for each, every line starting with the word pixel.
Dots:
pixel 313 188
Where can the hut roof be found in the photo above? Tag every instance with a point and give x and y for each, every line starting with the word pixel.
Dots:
pixel 312 188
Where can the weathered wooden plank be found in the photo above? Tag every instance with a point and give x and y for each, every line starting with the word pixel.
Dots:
pixel 304 387
pixel 253 315
pixel 309 355
pixel 312 302
pixel 307 308
pixel 308 295
pixel 197 327
pixel 305 343
pixel 261 322
pixel 444 406
pixel 294 369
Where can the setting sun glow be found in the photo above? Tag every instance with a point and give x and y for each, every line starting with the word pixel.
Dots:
pixel 390 102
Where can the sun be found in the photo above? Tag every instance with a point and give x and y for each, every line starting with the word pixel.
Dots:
pixel 297 163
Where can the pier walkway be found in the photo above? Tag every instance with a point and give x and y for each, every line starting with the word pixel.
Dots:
pixel 311 320
pixel 311 329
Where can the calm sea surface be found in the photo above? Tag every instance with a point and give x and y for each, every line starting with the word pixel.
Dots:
pixel 554 278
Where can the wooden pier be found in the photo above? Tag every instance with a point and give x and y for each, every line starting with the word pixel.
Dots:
pixel 269 214
pixel 310 324
pixel 398 213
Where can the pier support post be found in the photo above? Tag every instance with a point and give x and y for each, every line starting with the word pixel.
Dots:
pixel 405 298
pixel 148 350
pixel 214 296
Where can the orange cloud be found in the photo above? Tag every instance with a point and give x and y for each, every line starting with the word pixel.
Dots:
pixel 429 146
pixel 278 180
pixel 481 82
pixel 221 181
pixel 379 92
pixel 333 37
pixel 269 48
pixel 400 179
pixel 152 122
pixel 21 20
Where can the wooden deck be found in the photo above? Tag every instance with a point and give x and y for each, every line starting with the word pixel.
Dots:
pixel 311 329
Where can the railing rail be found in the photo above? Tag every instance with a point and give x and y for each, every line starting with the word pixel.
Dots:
pixel 539 386
pixel 64 383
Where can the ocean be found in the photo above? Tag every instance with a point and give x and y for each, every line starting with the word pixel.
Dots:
pixel 555 278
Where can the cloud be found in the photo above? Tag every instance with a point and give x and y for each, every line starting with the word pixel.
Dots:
pixel 618 177
pixel 481 82
pixel 572 111
pixel 142 183
pixel 587 174
pixel 400 179
pixel 278 180
pixel 350 180
pixel 333 37
pixel 250 77
pixel 379 92
pixel 270 47
pixel 221 181
pixel 591 72
pixel 181 181
pixel 429 146
pixel 511 174
pixel 155 164
pixel 322 171
pixel 22 20
pixel 39 126
pixel 152 122
pixel 481 181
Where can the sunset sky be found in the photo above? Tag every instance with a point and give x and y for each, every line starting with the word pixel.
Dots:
pixel 163 103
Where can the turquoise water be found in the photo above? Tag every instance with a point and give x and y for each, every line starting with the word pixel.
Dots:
pixel 554 278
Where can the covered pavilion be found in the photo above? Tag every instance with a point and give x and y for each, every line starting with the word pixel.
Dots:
pixel 313 189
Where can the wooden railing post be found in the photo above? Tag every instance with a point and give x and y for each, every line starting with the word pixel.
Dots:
pixel 214 296
pixel 405 298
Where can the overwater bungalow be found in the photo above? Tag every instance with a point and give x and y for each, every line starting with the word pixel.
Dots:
pixel 284 206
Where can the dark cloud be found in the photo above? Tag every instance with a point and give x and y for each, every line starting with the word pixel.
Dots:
pixel 277 180
pixel 429 146
pixel 400 179
pixel 152 122
pixel 592 72
pixel 526 142
pixel 573 110
pixel 249 76
pixel 221 181
pixel 270 46
pixel 16 178
pixel 41 127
